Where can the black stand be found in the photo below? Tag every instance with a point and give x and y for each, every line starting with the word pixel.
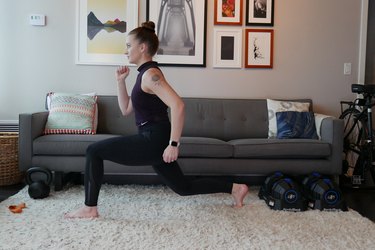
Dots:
pixel 366 179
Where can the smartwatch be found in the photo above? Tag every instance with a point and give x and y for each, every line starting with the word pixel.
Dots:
pixel 174 143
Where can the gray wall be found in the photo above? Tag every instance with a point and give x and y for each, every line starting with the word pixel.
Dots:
pixel 313 40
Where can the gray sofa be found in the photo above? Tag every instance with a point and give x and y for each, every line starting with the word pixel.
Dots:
pixel 221 137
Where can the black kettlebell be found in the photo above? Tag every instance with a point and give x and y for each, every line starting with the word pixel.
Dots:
pixel 38 189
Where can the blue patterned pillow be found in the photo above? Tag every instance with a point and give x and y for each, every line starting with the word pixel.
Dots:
pixel 292 124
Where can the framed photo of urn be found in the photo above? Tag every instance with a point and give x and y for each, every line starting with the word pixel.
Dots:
pixel 181 29
pixel 259 12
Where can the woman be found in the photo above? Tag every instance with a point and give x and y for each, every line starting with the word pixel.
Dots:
pixel 157 142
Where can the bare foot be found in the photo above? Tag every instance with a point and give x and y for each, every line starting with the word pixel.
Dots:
pixel 83 212
pixel 239 191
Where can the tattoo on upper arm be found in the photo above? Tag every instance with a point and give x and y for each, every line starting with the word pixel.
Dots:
pixel 155 78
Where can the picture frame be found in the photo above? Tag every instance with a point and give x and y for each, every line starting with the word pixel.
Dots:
pixel 187 46
pixel 228 12
pixel 259 48
pixel 227 48
pixel 260 12
pixel 101 31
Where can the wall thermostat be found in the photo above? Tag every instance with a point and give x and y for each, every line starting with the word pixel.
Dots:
pixel 37 20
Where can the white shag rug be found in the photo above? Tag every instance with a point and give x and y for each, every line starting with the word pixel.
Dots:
pixel 153 217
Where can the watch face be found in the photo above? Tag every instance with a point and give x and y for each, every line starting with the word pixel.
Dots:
pixel 174 144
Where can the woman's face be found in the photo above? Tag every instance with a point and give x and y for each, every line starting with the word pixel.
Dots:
pixel 133 49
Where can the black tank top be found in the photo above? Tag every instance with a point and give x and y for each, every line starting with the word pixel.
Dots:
pixel 148 108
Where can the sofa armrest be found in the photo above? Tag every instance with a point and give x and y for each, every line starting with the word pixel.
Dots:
pixel 31 126
pixel 332 131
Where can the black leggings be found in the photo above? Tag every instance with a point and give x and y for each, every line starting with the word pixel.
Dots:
pixel 145 148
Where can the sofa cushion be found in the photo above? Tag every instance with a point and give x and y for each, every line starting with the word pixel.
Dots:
pixel 71 114
pixel 205 147
pixel 280 149
pixel 93 94
pixel 291 124
pixel 66 144
pixel 274 106
pixel 225 119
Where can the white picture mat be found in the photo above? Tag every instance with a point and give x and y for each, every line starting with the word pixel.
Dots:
pixel 267 19
pixel 231 32
pixel 199 7
pixel 263 41
pixel 82 56
pixel 237 14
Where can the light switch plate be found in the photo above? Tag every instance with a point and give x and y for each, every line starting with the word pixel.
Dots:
pixel 347 68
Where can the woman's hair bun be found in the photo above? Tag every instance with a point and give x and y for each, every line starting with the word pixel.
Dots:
pixel 150 25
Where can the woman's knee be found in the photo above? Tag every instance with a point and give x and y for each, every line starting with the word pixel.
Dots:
pixel 93 150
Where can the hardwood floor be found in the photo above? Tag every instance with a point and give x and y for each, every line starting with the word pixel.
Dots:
pixel 7 191
pixel 360 200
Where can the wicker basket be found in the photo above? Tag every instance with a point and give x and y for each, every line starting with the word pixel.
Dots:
pixel 9 172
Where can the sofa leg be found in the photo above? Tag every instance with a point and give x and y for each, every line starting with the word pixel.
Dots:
pixel 59 178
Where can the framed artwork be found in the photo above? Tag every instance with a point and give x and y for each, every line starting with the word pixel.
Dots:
pixel 228 12
pixel 259 12
pixel 181 28
pixel 259 48
pixel 102 28
pixel 227 48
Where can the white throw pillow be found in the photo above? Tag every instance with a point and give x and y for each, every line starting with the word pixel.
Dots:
pixel 318 122
pixel 71 114
pixel 274 106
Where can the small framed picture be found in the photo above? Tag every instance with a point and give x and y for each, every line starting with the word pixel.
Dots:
pixel 259 48
pixel 227 48
pixel 259 12
pixel 228 12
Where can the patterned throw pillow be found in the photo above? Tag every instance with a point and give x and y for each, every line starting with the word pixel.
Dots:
pixel 71 114
pixel 274 106
pixel 292 124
